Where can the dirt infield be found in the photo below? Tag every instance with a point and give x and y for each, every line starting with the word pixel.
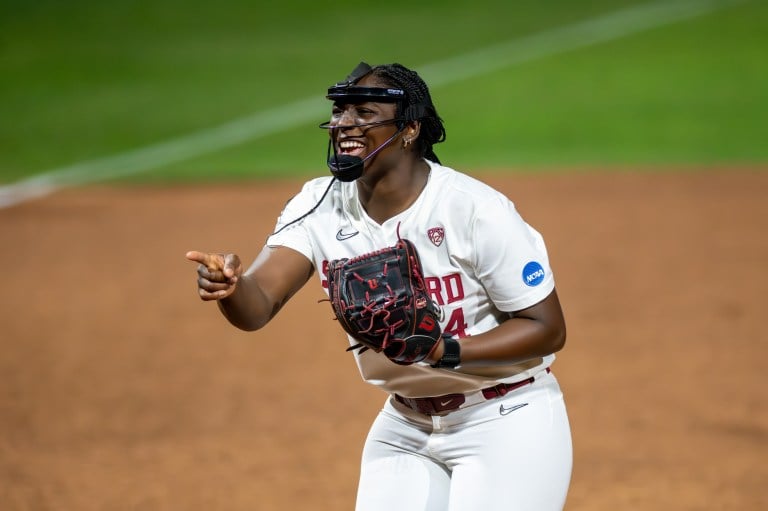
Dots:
pixel 120 390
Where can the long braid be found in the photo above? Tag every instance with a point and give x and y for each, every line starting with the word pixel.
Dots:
pixel 417 106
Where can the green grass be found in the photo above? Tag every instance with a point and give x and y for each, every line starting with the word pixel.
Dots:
pixel 83 80
pixel 690 93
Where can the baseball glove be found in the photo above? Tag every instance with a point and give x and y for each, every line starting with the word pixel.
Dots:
pixel 380 299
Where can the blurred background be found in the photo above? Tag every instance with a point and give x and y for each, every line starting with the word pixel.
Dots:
pixel 631 134
pixel 169 90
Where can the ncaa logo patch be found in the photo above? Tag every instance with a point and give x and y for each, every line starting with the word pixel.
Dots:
pixel 533 274
pixel 436 235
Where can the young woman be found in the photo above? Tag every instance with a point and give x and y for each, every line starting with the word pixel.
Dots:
pixel 481 425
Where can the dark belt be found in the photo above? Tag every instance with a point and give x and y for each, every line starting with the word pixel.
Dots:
pixel 450 402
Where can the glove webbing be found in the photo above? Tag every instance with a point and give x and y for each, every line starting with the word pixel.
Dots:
pixel 382 313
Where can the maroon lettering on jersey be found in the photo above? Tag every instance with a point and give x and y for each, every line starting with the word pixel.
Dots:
pixel 457 326
pixel 325 272
pixel 434 288
pixel 454 289
pixel 446 289
pixel 436 235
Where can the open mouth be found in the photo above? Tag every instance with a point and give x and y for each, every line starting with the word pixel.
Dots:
pixel 351 147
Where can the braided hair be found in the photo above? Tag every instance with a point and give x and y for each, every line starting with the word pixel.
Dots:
pixel 417 106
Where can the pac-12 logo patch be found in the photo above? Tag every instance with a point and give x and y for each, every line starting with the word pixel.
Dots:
pixel 533 274
pixel 436 235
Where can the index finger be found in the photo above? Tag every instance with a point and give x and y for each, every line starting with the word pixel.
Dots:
pixel 211 261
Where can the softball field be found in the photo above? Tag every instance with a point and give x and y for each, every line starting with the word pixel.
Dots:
pixel 122 391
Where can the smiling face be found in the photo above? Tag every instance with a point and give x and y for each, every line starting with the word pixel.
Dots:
pixel 358 129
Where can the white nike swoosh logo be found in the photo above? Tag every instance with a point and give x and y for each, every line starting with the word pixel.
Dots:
pixel 341 236
pixel 507 411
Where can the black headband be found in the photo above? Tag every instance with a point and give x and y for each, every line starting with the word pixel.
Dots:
pixel 357 94
pixel 347 90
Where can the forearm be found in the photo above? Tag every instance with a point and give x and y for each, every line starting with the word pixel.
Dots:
pixel 528 334
pixel 248 307
pixel 516 340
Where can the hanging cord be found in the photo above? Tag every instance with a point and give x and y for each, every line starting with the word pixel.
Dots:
pixel 302 217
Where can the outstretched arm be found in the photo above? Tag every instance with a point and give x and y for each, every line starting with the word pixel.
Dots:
pixel 249 299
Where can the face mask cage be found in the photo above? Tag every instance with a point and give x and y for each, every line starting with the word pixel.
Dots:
pixel 347 91
pixel 328 125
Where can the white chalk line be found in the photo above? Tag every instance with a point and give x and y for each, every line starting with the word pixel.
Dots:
pixel 493 58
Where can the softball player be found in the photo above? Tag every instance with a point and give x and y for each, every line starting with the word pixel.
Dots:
pixel 481 425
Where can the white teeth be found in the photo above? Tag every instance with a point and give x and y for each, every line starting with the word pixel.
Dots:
pixel 350 144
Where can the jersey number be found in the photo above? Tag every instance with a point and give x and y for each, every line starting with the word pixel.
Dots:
pixel 456 326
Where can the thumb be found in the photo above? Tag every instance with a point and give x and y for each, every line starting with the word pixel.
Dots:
pixel 231 266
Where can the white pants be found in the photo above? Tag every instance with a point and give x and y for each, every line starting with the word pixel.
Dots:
pixel 496 455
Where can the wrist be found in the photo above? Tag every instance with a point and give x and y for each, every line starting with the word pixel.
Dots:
pixel 447 353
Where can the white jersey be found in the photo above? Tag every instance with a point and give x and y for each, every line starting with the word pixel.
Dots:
pixel 481 261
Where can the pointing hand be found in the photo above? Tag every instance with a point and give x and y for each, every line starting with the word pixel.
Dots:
pixel 217 274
